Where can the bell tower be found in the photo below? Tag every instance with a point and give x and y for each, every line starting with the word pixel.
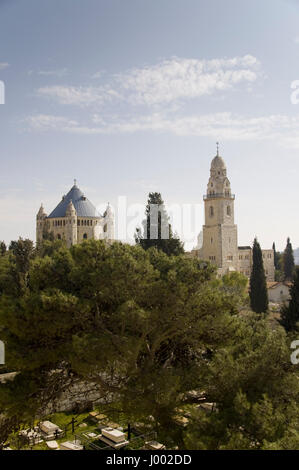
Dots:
pixel 220 237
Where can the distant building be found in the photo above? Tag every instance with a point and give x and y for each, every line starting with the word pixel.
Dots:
pixel 220 233
pixel 75 219
pixel 279 292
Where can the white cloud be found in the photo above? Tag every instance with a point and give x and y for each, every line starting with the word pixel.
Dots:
pixel 99 74
pixel 54 73
pixel 168 81
pixel 4 65
pixel 46 122
pixel 225 126
pixel 187 78
pixel 80 96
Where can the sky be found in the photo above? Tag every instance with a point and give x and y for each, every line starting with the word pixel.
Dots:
pixel 131 96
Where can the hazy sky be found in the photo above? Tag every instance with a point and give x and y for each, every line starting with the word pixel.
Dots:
pixel 130 96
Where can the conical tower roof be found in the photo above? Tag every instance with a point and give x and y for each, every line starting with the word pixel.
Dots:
pixel 84 208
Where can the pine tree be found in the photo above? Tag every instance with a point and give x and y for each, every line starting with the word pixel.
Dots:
pixel 290 313
pixel 258 285
pixel 157 231
pixel 288 262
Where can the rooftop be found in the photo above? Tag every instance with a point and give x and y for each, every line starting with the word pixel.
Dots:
pixel 83 206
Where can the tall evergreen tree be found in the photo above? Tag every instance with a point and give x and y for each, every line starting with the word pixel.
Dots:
pixel 290 313
pixel 258 286
pixel 21 253
pixel 279 276
pixel 157 230
pixel 276 257
pixel 2 248
pixel 288 261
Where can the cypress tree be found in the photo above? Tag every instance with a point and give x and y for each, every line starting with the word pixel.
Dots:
pixel 290 313
pixel 276 257
pixel 288 261
pixel 258 285
pixel 157 230
pixel 2 248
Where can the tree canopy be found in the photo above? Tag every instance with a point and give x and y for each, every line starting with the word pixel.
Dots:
pixel 151 332
pixel 157 231
pixel 290 312
pixel 288 261
pixel 258 285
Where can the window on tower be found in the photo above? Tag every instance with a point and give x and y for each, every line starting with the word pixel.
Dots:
pixel 228 210
pixel 211 211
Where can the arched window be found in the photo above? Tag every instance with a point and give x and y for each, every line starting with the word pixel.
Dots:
pixel 58 236
pixel 211 211
pixel 228 210
pixel 105 228
pixel 85 236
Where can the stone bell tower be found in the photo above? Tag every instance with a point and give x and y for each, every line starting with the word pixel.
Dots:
pixel 108 224
pixel 220 237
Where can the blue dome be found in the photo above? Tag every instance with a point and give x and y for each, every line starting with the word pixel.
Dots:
pixel 83 206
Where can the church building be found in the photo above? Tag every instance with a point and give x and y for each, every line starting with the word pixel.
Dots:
pixel 220 233
pixel 75 219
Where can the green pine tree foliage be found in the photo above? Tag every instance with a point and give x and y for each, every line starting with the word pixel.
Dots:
pixel 137 323
pixel 252 385
pixel 153 230
pixel 290 313
pixel 258 285
pixel 156 335
pixel 288 261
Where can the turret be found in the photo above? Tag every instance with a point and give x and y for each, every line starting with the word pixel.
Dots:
pixel 108 227
pixel 71 224
pixel 40 223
